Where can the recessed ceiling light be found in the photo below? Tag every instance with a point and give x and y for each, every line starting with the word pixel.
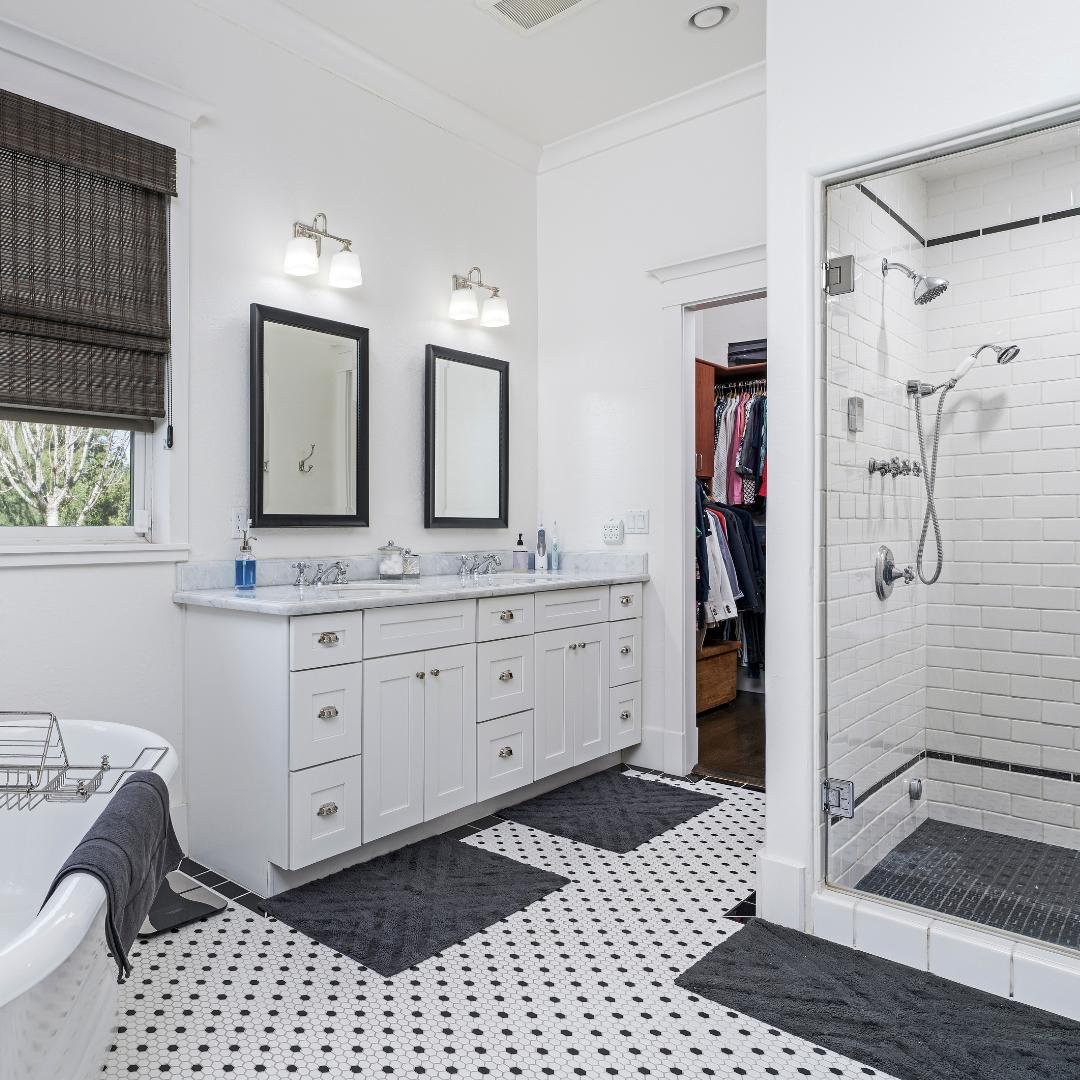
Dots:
pixel 708 17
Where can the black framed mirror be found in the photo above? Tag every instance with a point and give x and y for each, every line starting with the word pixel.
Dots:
pixel 309 420
pixel 467 440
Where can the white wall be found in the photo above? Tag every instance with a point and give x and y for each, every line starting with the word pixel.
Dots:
pixel 684 192
pixel 960 49
pixel 717 327
pixel 284 139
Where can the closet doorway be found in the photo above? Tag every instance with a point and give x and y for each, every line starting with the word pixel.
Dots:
pixel 730 495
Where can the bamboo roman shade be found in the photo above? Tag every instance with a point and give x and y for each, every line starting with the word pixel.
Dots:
pixel 84 268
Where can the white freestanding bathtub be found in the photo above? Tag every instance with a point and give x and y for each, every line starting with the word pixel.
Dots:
pixel 58 986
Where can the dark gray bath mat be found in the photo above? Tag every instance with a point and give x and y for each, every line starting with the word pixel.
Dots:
pixel 1022 886
pixel 404 907
pixel 611 810
pixel 909 1023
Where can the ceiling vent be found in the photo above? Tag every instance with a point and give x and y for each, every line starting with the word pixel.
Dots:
pixel 528 16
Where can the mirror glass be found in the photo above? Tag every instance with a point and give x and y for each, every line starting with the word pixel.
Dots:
pixel 467 439
pixel 310 461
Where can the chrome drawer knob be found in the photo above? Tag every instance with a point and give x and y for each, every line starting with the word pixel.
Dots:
pixel 420 675
pixel 506 751
pixel 434 671
pixel 581 644
pixel 329 638
pixel 626 601
pixel 506 616
pixel 625 650
pixel 573 647
pixel 328 809
pixel 328 712
pixel 506 676
pixel 625 714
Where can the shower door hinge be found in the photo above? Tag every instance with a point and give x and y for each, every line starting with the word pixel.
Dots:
pixel 839 275
pixel 838 798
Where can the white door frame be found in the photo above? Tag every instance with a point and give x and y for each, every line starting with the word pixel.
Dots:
pixel 727 275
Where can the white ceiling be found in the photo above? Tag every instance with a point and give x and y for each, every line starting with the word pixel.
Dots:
pixel 605 59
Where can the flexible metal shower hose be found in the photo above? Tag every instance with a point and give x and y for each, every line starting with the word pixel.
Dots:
pixel 929 478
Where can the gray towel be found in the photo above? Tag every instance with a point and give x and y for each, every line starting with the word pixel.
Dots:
pixel 129 849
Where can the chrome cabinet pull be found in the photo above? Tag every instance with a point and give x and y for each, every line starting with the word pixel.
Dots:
pixel 506 751
pixel 420 675
pixel 434 671
pixel 573 647
pixel 625 714
pixel 506 676
pixel 581 644
pixel 506 616
pixel 328 712
pixel 625 650
pixel 626 601
pixel 329 638
pixel 328 809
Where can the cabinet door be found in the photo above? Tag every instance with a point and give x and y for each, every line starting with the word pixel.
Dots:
pixel 449 730
pixel 556 678
pixel 704 417
pixel 590 701
pixel 393 744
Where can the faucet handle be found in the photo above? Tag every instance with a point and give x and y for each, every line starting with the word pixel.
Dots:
pixel 342 575
pixel 301 569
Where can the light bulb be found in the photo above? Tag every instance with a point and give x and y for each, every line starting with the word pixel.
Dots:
pixel 345 270
pixel 463 304
pixel 301 257
pixel 495 312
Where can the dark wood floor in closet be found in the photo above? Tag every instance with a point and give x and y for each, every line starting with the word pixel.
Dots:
pixel 731 740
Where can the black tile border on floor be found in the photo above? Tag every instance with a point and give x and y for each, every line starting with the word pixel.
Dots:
pixel 960 759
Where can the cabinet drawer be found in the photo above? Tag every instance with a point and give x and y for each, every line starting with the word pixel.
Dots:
pixel 324 714
pixel 324 811
pixel 504 755
pixel 626 601
pixel 503 617
pixel 416 627
pixel 571 607
pixel 321 640
pixel 624 726
pixel 625 652
pixel 504 681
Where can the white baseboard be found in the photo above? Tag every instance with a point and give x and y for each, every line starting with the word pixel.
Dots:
pixel 781 894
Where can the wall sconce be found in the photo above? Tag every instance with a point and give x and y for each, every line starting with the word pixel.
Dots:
pixel 463 300
pixel 302 254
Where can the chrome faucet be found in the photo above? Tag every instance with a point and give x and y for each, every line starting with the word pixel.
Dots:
pixel 487 564
pixel 469 565
pixel 339 569
pixel 301 569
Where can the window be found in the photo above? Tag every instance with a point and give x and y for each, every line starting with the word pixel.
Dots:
pixel 84 322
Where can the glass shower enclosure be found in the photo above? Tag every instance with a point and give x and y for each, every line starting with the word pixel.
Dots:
pixel 952 536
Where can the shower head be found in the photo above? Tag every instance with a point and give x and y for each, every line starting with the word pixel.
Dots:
pixel 924 289
pixel 1004 353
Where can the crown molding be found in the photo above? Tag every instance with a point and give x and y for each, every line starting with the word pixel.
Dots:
pixel 17 41
pixel 721 93
pixel 286 29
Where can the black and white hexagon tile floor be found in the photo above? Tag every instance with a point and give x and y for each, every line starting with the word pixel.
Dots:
pixel 580 983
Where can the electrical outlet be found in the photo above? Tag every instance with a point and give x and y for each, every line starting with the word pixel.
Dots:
pixel 637 521
pixel 238 519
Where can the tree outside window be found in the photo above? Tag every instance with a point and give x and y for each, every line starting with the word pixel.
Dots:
pixel 57 475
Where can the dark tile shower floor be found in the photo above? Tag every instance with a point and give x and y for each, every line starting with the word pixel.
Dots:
pixel 1021 886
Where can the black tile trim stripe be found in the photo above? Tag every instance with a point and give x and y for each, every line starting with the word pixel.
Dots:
pixel 1005 226
pixel 891 212
pixel 960 759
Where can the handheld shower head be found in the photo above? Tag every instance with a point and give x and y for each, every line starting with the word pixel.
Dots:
pixel 924 289
pixel 1005 354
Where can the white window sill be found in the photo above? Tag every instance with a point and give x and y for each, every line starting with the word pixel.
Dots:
pixel 17 556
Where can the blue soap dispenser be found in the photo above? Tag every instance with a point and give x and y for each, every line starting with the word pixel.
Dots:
pixel 244 578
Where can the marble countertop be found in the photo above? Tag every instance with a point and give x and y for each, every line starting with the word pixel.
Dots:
pixel 290 600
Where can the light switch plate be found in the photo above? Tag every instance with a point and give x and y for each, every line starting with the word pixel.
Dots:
pixel 637 521
pixel 238 519
pixel 612 532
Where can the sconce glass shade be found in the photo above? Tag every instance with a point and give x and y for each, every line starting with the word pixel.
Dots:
pixel 301 257
pixel 345 270
pixel 495 312
pixel 463 304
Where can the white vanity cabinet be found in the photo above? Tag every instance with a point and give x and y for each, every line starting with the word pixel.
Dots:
pixel 571 715
pixel 312 736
